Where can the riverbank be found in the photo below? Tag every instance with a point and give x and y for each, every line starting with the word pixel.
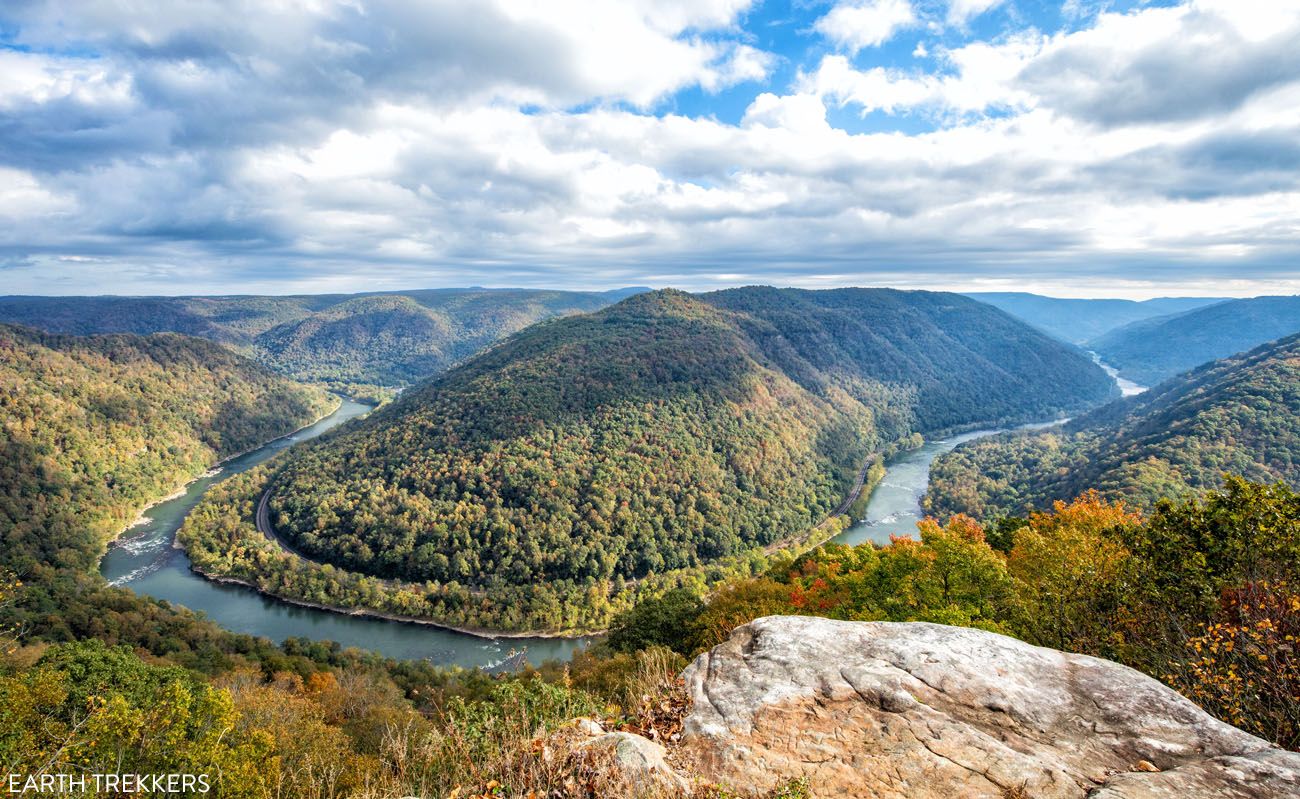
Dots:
pixel 148 563
pixel 308 577
pixel 370 613
pixel 141 518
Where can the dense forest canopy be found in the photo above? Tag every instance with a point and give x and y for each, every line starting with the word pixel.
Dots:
pixel 666 432
pixel 1081 320
pixel 1240 415
pixel 1200 594
pixel 93 429
pixel 378 339
pixel 1155 349
pixel 97 427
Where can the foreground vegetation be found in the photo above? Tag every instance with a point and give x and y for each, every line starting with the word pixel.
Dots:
pixel 1240 415
pixel 1200 594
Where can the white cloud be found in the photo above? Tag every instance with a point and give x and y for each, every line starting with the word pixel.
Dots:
pixel 557 53
pixel 419 143
pixel 858 24
pixel 24 200
pixel 961 12
pixel 1157 64
pixel 799 113
pixel 743 63
pixel 983 78
pixel 36 78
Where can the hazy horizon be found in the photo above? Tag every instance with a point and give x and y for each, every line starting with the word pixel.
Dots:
pixel 1155 294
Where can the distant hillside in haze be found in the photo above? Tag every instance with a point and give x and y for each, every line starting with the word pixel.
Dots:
pixel 1240 415
pixel 1079 321
pixel 1154 349
pixel 376 338
pixel 667 432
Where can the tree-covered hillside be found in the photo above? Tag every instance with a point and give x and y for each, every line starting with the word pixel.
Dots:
pixel 667 432
pixel 95 428
pixel 1240 415
pixel 1081 320
pixel 378 339
pixel 964 363
pixel 1155 349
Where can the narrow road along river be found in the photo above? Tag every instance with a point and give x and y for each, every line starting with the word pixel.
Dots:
pixel 144 560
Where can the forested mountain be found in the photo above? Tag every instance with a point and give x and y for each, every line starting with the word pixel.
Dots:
pixel 1152 350
pixel 1240 415
pixel 383 339
pixel 1079 321
pixel 95 428
pixel 663 433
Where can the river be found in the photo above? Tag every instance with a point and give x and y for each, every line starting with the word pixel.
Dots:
pixel 1126 387
pixel 144 560
pixel 895 506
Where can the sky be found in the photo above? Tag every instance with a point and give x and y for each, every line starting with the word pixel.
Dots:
pixel 1085 148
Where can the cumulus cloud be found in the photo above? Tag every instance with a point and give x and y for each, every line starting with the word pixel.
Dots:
pixel 316 145
pixel 1160 65
pixel 1167 64
pixel 857 24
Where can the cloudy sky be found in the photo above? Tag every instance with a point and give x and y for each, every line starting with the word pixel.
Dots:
pixel 1084 148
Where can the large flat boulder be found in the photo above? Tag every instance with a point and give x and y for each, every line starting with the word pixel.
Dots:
pixel 913 710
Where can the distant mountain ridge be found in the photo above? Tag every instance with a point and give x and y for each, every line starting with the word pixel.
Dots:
pixel 1153 349
pixel 383 338
pixel 1081 320
pixel 1239 415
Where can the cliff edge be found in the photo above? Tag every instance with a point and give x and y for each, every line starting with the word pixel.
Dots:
pixel 913 710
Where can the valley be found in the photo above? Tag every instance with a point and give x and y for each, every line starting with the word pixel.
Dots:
pixel 147 560
pixel 1155 349
pixel 347 341
pixel 894 507
pixel 649 399
pixel 661 471
pixel 897 504
pixel 1235 416
pixel 666 440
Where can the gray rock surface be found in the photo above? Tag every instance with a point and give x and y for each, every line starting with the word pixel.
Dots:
pixel 879 709
pixel 641 763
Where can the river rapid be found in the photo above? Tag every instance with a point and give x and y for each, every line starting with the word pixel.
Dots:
pixel 145 560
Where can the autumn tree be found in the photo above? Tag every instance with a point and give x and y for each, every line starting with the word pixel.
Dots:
pixel 1069 568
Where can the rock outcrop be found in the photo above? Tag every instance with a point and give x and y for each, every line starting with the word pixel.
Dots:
pixel 640 764
pixel 913 711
